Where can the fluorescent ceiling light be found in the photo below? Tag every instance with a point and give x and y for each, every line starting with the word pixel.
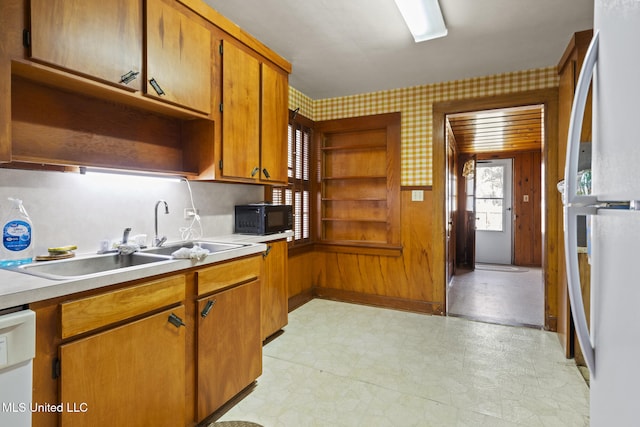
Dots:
pixel 423 17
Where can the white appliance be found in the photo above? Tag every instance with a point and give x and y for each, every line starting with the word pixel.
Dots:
pixel 612 345
pixel 17 350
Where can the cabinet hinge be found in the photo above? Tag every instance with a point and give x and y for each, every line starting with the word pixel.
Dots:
pixel 220 164
pixel 221 49
pixel 55 368
pixel 26 38
pixel 221 107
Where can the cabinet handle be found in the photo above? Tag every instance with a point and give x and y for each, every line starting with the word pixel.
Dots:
pixel 176 321
pixel 266 173
pixel 131 75
pixel 266 253
pixel 154 84
pixel 207 308
pixel 255 171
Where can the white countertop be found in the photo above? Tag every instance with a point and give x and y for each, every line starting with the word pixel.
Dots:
pixel 19 288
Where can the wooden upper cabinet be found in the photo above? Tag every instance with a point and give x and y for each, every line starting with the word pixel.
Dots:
pixel 254 118
pixel 178 60
pixel 157 59
pixel 275 116
pixel 240 114
pixel 89 38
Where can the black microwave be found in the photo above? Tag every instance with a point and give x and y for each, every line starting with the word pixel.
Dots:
pixel 263 218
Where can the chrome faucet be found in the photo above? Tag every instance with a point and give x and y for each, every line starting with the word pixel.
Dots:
pixel 158 241
pixel 104 245
pixel 125 235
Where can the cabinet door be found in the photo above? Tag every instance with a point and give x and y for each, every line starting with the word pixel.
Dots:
pixel 275 117
pixel 133 375
pixel 240 114
pixel 275 297
pixel 229 345
pixel 87 37
pixel 178 57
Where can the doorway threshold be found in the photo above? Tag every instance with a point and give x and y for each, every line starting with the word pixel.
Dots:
pixel 502 294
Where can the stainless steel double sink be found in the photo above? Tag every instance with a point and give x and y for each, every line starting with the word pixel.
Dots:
pixel 95 265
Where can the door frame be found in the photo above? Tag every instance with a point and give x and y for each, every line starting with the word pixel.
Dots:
pixel 550 200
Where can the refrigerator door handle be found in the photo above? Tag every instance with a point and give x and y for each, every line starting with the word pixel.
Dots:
pixel 575 127
pixel 576 205
pixel 571 214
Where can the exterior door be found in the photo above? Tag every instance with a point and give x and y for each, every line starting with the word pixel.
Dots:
pixel 494 219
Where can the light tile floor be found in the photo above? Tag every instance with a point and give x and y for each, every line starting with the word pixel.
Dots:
pixel 341 364
pixel 507 295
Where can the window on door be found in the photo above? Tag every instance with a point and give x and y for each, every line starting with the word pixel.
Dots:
pixel 490 198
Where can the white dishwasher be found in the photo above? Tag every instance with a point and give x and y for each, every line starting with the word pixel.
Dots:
pixel 17 350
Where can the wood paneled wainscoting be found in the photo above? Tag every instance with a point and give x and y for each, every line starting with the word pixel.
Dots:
pixel 402 282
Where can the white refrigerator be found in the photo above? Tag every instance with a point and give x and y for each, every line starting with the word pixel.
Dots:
pixel 612 344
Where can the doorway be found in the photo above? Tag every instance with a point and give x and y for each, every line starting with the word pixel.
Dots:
pixel 502 280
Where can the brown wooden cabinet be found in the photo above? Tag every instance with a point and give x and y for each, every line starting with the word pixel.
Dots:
pixel 73 86
pixel 274 289
pixel 273 126
pixel 254 118
pixel 137 368
pixel 178 57
pixel 240 114
pixel 80 82
pixel 106 43
pixel 110 367
pixel 229 347
pixel 168 351
pixel 88 38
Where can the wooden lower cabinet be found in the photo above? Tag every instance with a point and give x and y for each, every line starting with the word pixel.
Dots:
pixel 135 353
pixel 133 375
pixel 229 345
pixel 275 298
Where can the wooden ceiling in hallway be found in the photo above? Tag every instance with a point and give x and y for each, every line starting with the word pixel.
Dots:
pixel 498 131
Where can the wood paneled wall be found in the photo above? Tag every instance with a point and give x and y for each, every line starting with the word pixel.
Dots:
pixel 403 282
pixel 302 276
pixel 527 205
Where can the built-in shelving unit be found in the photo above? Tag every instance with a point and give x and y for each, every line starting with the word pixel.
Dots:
pixel 359 163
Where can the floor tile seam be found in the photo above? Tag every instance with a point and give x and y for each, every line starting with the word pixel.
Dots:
pixel 496 321
pixel 356 379
pixel 444 402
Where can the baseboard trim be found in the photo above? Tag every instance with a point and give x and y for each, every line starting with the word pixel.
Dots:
pixel 426 307
pixel 301 299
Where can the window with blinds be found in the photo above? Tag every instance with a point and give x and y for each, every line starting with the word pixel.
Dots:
pixel 298 192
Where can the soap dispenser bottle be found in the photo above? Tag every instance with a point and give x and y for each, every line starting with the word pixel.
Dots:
pixel 17 236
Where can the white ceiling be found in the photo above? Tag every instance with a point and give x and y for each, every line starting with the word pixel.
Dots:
pixel 346 47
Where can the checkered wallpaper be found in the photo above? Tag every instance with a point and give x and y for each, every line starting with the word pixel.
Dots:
pixel 415 104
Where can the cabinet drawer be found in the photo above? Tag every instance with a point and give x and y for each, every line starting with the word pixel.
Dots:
pixel 228 274
pixel 100 310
